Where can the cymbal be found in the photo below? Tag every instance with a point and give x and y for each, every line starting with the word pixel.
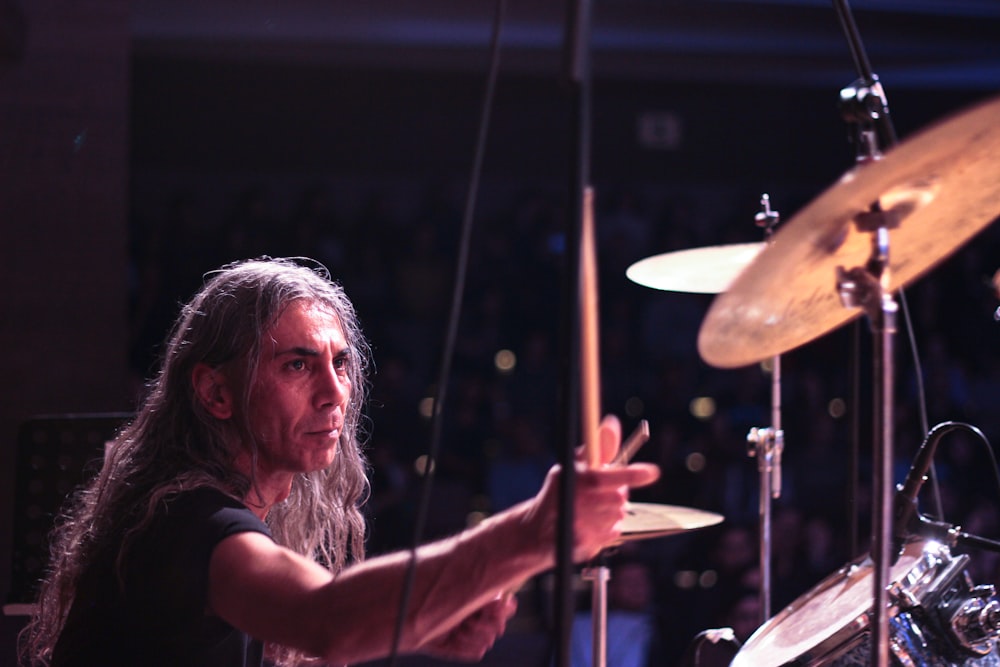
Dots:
pixel 937 190
pixel 646 520
pixel 708 270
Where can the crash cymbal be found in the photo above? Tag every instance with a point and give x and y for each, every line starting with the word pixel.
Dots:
pixel 646 520
pixel 938 189
pixel 708 270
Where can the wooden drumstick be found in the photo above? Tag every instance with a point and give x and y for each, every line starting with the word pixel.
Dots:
pixel 631 445
pixel 590 368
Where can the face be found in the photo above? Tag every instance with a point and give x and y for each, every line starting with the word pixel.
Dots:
pixel 631 587
pixel 298 402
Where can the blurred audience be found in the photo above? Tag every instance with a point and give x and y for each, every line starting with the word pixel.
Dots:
pixel 397 260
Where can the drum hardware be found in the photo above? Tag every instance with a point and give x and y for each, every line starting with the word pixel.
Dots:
pixel 711 270
pixel 714 647
pixel 908 522
pixel 642 520
pixel 976 622
pixel 969 616
pixel 906 518
pixel 949 534
pixel 599 577
pixel 866 284
pixel 647 520
pixel 937 617
pixel 962 620
pixel 865 288
pixel 768 444
pixel 934 192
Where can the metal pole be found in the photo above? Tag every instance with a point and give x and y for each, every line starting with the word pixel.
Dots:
pixel 882 507
pixel 599 612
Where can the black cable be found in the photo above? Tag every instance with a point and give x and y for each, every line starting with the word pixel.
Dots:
pixel 578 82
pixel 942 429
pixel 855 456
pixel 992 456
pixel 918 373
pixel 452 333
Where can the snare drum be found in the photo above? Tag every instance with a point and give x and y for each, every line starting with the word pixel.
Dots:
pixel 830 624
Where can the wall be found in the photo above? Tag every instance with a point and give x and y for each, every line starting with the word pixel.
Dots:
pixel 63 182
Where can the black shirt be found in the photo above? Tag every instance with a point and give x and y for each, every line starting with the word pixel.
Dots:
pixel 157 614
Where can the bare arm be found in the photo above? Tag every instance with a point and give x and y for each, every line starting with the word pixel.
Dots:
pixel 276 595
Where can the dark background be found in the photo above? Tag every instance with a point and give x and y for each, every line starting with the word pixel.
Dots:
pixel 144 143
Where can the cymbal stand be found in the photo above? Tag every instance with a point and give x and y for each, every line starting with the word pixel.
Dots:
pixel 599 575
pixel 864 105
pixel 767 444
pixel 866 288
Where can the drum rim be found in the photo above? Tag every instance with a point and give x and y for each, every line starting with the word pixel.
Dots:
pixel 918 556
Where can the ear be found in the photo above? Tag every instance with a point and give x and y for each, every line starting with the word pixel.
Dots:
pixel 212 390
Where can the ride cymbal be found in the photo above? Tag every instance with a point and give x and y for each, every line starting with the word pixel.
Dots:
pixel 646 520
pixel 709 270
pixel 935 190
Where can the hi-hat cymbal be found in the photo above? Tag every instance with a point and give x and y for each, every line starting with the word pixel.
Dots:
pixel 708 270
pixel 938 189
pixel 646 520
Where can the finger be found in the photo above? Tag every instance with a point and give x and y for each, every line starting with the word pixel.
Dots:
pixel 609 436
pixel 507 606
pixel 461 646
pixel 498 610
pixel 634 475
pixel 479 632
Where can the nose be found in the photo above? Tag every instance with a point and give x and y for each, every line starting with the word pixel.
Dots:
pixel 332 387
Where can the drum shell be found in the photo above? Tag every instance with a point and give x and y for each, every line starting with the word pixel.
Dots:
pixel 829 625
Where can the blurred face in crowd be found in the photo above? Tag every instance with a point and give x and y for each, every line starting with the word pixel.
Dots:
pixel 631 587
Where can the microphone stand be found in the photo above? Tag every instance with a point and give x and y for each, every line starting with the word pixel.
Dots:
pixel 908 520
pixel 578 79
pixel 865 103
pixel 953 536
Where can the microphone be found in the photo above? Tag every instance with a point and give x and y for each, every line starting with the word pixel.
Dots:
pixel 904 505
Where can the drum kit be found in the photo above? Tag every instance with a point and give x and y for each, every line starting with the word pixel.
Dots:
pixel 883 225
pixel 901 210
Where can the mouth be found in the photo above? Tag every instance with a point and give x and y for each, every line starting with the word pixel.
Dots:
pixel 330 428
pixel 331 432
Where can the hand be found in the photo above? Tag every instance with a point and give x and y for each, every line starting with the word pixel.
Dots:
pixel 601 494
pixel 475 635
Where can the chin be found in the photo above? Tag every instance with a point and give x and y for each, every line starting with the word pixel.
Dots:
pixel 324 461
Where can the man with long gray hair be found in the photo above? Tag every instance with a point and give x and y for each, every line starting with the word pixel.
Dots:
pixel 225 523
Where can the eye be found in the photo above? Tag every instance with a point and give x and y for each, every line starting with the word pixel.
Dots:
pixel 297 365
pixel 342 363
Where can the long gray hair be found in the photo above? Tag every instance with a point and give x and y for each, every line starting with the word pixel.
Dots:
pixel 174 444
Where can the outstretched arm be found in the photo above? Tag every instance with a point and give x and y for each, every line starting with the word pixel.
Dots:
pixel 277 595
